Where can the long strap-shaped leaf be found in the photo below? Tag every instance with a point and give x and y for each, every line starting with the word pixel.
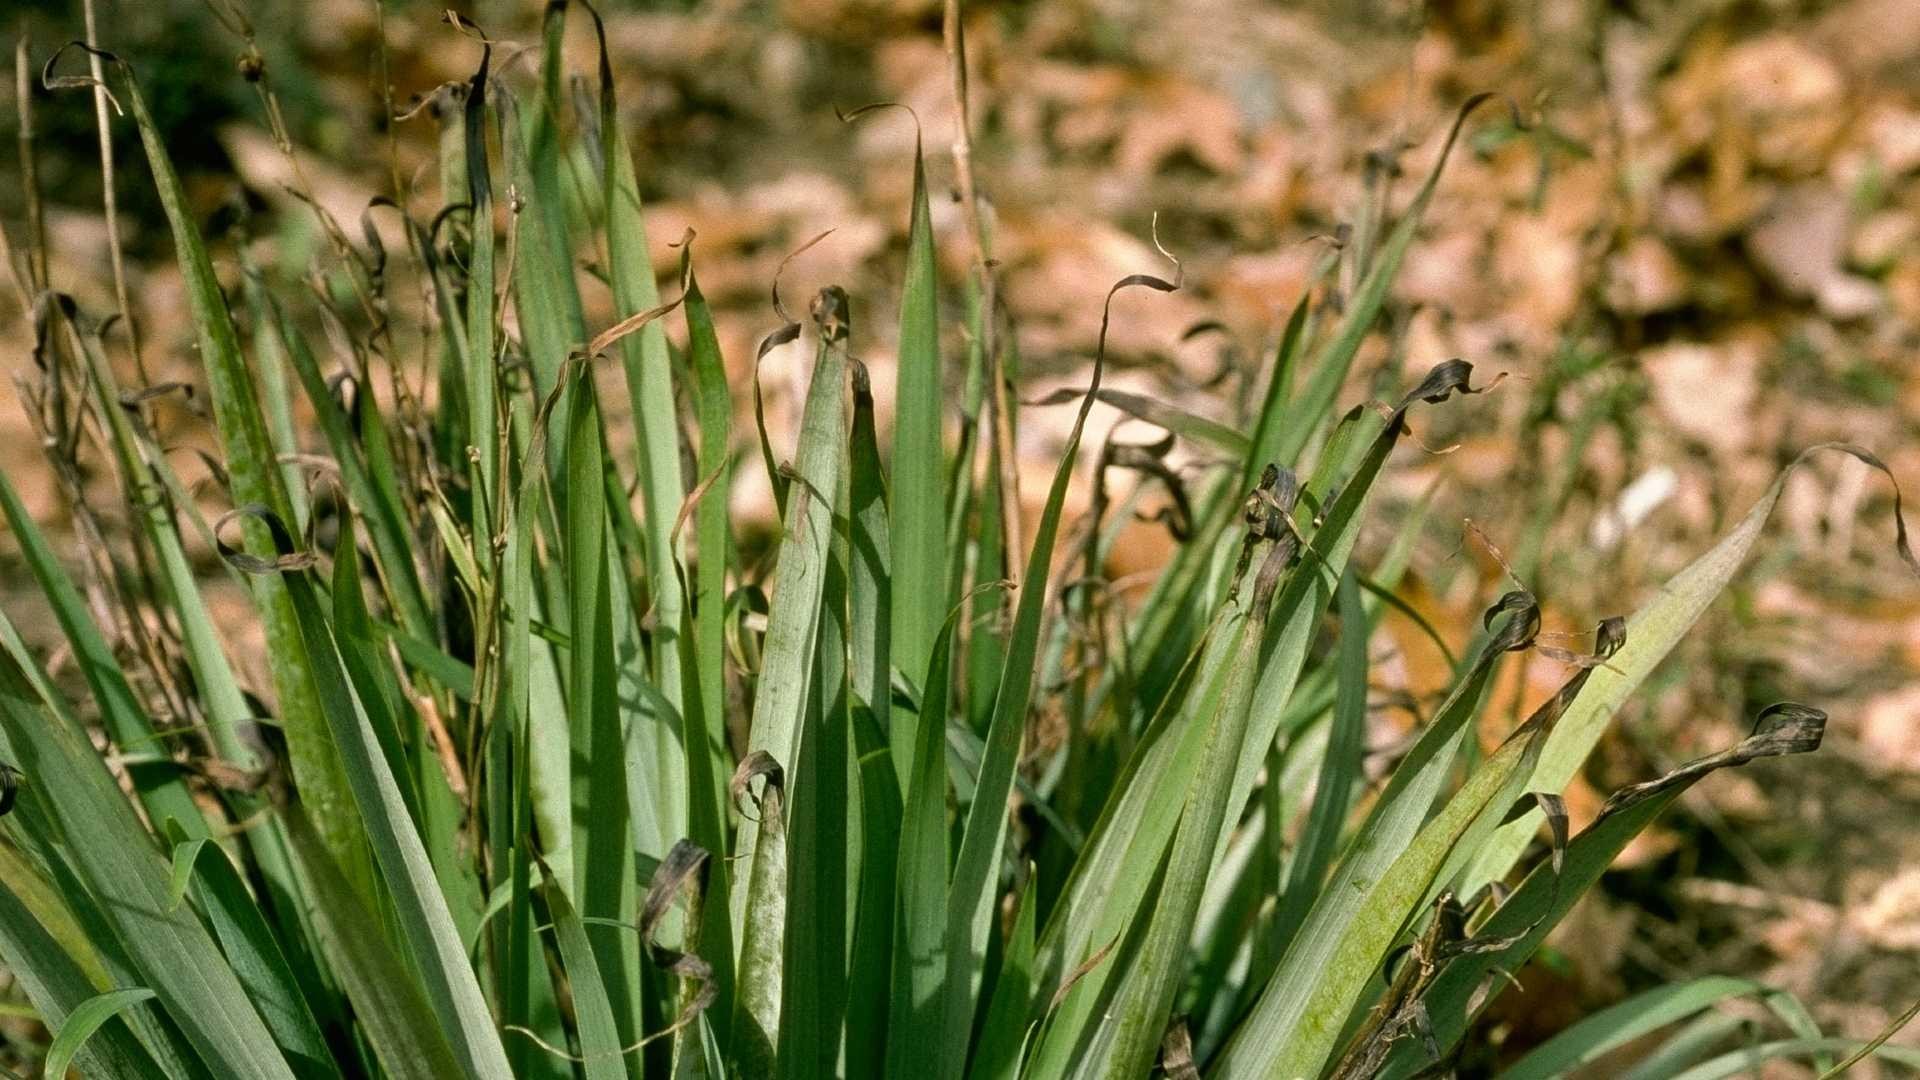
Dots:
pixel 919 967
pixel 599 1032
pixel 541 790
pixel 1379 842
pixel 255 477
pixel 649 382
pixel 1355 958
pixel 1540 902
pixel 918 514
pixel 1127 1044
pixel 1652 632
pixel 480 383
pixel 1630 1019
pixel 1745 1061
pixel 1334 359
pixel 880 802
pixel 240 925
pixel 704 731
pixel 72 1036
pixel 40 871
pixel 793 623
pixel 1110 881
pixel 419 906
pixel 162 793
pixel 123 871
pixel 658 765
pixel 1340 767
pixel 756 1017
pixel 392 1011
pixel 1006 1032
pixel 546 294
pixel 824 830
pixel 604 873
pixel 1317 1011
pixel 57 987
pixel 1112 889
pixel 976 877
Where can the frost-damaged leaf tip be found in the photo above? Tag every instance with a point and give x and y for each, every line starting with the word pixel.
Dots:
pixel 290 556
pixel 682 873
pixel 1785 728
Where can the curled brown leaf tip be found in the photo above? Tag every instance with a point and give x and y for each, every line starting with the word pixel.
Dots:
pixel 82 82
pixel 875 106
pixel 287 555
pixel 1783 728
pixel 465 26
pixel 1443 381
pixel 1607 640
pixel 758 765
pixel 682 872
pixel 441 217
pixel 629 325
pixel 832 312
pixel 50 81
pixel 779 307
pixel 1610 637
pixel 474 117
pixel 1554 808
pixel 683 868
pixel 1786 728
pixel 1520 630
pixel 1869 458
pixel 606 62
pixel 775 339
pixel 1266 515
pixel 1148 459
pixel 1106 319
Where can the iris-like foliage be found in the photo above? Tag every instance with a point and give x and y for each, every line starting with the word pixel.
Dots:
pixel 552 780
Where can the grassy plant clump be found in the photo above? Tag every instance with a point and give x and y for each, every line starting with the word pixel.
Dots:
pixel 554 778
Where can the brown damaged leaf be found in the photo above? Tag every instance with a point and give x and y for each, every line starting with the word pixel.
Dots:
pixel 1176 1052
pixel 1402 1010
pixel 1785 728
pixel 682 873
pixel 759 765
pixel 289 558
